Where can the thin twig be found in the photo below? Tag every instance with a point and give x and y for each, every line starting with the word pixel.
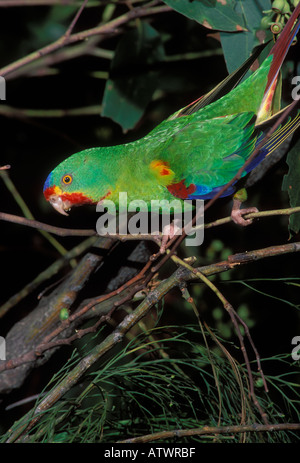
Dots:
pixel 207 430
pixel 73 23
pixel 103 29
pixel 235 320
pixel 27 213
pixel 59 231
pixel 190 300
pixel 235 370
pixel 20 113
pixel 42 226
pixel 14 3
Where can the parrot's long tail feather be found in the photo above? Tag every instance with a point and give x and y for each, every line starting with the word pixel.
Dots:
pixel 279 51
pixel 278 137
pixel 282 134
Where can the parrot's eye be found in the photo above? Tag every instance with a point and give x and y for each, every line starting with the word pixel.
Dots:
pixel 67 179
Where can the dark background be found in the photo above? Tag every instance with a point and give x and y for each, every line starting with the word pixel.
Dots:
pixel 34 146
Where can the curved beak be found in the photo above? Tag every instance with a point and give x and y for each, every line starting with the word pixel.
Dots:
pixel 60 205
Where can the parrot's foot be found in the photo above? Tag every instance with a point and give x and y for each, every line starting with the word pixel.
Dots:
pixel 169 231
pixel 237 213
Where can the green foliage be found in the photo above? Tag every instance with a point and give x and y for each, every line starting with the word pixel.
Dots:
pixel 238 47
pixel 156 386
pixel 132 83
pixel 213 14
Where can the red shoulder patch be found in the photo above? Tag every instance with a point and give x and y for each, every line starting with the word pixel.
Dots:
pixel 179 190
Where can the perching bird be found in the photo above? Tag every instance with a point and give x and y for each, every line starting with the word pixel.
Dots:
pixel 192 154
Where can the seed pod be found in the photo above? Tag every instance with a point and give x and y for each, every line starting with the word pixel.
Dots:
pixel 276 28
pixel 266 22
pixel 279 5
pixel 286 9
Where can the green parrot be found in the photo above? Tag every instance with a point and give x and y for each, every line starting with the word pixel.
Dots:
pixel 192 154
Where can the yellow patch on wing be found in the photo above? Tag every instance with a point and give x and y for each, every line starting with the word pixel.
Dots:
pixel 162 171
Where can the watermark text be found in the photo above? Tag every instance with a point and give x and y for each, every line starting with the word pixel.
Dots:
pixel 2 88
pixel 134 218
pixel 296 349
pixel 2 348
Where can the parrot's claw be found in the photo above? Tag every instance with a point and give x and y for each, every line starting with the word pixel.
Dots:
pixel 237 214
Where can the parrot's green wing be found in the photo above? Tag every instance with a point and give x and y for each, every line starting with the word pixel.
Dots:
pixel 193 160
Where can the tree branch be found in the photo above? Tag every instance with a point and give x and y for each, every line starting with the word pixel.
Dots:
pixel 181 275
pixel 154 296
pixel 59 231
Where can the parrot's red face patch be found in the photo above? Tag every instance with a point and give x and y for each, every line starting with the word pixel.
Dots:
pixel 62 201
pixel 75 198
pixel 49 192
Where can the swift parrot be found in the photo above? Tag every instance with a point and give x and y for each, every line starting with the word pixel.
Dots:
pixel 192 154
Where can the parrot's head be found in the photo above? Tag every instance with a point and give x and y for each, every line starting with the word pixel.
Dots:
pixel 83 178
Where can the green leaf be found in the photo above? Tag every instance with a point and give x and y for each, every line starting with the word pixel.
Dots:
pixel 133 78
pixel 213 14
pixel 238 48
pixel 291 184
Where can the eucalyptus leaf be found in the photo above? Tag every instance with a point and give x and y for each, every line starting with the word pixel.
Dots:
pixel 237 48
pixel 213 14
pixel 133 77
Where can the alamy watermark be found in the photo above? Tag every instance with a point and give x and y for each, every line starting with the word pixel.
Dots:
pixel 296 350
pixel 2 88
pixel 2 348
pixel 134 218
pixel 296 89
